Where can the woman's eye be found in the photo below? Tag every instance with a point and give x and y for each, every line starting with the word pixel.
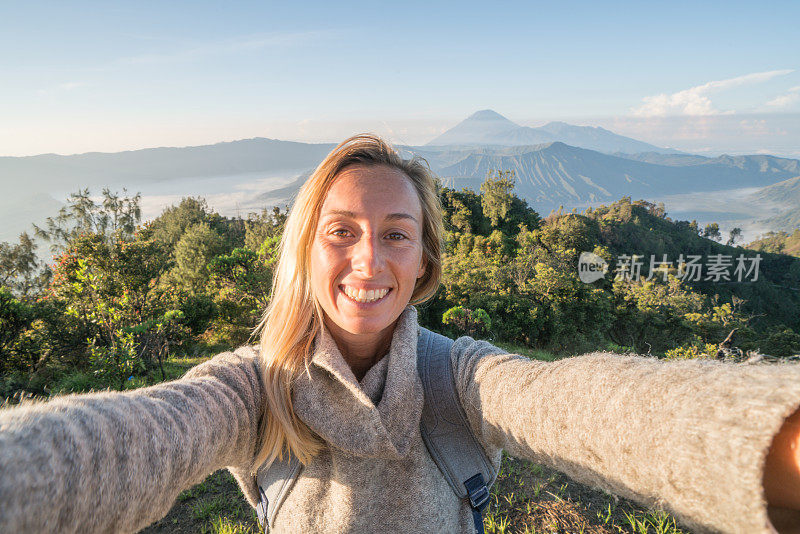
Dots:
pixel 397 236
pixel 340 232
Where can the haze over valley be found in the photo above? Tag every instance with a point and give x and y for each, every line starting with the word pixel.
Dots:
pixel 557 165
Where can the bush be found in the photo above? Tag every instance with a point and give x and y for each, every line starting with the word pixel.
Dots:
pixel 781 342
pixel 472 322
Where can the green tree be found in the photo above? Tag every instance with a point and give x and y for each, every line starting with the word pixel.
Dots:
pixel 264 226
pixel 114 216
pixel 21 270
pixel 471 322
pixel 463 212
pixel 169 227
pixel 241 283
pixel 653 315
pixel 15 317
pixel 736 233
pixel 711 231
pixel 196 248
pixel 497 196
pixel 113 290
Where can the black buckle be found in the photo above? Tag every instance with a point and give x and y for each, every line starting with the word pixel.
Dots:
pixel 477 491
pixel 479 498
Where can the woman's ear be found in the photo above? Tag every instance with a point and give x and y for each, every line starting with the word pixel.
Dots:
pixel 423 263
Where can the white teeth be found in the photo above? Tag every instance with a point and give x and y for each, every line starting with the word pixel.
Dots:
pixel 363 295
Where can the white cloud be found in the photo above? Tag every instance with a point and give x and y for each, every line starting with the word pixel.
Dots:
pixel 695 100
pixel 783 101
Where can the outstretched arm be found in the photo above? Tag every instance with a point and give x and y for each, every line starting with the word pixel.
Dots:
pixel 689 436
pixel 115 462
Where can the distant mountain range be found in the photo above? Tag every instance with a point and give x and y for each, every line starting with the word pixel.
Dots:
pixel 558 174
pixel 548 174
pixel 488 127
pixel 48 171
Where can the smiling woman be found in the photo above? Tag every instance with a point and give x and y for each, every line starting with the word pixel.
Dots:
pixel 366 259
pixel 334 394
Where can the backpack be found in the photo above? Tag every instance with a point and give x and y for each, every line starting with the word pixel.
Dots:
pixel 445 431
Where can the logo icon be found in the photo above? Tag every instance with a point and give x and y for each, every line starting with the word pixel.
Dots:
pixel 591 267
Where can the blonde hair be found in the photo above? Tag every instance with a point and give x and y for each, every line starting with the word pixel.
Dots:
pixel 293 317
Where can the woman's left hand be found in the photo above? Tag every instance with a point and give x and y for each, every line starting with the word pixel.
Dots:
pixel 782 469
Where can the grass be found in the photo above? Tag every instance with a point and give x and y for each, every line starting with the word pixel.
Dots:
pixel 215 506
pixel 223 525
pixel 531 499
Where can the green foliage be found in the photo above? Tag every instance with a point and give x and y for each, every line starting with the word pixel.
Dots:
pixel 120 298
pixel 264 227
pixel 116 362
pixel 15 318
pixel 244 276
pixel 711 231
pixel 497 196
pixel 472 322
pixel 463 212
pixel 778 243
pixel 169 227
pixel 655 521
pixel 198 311
pixel 241 282
pixel 692 351
pixel 198 245
pixel 780 342
pixel 112 289
pixel 21 270
pixel 714 322
pixel 650 315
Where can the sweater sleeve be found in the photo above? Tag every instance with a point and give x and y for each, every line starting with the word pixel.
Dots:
pixel 115 462
pixel 690 437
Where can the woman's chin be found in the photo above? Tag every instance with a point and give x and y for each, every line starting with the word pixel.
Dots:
pixel 366 327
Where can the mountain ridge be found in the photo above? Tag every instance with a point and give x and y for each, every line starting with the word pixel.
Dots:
pixel 548 174
pixel 556 173
pixel 487 127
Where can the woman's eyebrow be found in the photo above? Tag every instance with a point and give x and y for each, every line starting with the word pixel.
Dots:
pixel 399 216
pixel 390 217
pixel 343 213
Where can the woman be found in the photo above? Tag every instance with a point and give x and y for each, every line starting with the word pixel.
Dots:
pixel 335 381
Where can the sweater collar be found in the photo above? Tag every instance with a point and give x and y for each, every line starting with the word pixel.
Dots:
pixel 377 417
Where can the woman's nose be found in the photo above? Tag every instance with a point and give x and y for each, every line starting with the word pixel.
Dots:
pixel 367 257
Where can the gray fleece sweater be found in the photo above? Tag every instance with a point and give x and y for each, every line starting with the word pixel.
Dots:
pixel 689 436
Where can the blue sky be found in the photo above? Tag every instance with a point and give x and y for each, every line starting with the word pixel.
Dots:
pixel 109 76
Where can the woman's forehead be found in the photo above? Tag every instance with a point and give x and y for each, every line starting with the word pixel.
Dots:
pixel 372 188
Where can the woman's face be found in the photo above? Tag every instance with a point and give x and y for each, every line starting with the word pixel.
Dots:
pixel 367 251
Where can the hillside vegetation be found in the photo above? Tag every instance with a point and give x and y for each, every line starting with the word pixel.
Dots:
pixel 121 295
pixel 127 304
pixel 778 243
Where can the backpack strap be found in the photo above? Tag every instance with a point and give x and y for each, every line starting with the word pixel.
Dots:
pixel 445 429
pixel 274 484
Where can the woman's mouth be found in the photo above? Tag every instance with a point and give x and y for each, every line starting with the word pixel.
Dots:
pixel 364 296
